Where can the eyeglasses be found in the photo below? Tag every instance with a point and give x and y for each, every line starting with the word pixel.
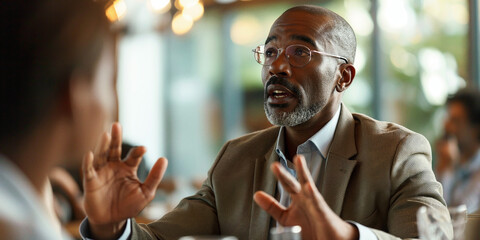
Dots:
pixel 297 55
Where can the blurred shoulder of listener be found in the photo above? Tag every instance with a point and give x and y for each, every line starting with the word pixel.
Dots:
pixel 56 91
pixel 458 150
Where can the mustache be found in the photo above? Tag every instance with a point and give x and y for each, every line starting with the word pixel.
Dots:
pixel 281 81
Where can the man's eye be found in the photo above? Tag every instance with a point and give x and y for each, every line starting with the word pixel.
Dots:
pixel 300 52
pixel 271 52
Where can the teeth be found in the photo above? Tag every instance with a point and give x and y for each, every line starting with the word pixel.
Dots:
pixel 279 94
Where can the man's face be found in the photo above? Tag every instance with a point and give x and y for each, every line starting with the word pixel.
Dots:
pixel 459 126
pixel 295 95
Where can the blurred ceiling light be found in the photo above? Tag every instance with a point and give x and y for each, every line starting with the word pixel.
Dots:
pixel 116 11
pixel 160 6
pixel 181 23
pixel 244 30
pixel 225 1
pixel 187 3
pixel 195 11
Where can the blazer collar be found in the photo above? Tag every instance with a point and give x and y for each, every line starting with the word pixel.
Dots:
pixel 264 180
pixel 337 171
pixel 340 162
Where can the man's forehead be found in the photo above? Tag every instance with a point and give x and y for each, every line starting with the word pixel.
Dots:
pixel 305 27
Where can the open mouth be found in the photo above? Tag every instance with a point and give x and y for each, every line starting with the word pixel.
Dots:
pixel 279 95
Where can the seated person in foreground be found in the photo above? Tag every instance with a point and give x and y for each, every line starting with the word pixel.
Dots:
pixel 56 91
pixel 340 175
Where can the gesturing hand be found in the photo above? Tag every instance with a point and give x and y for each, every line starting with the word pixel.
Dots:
pixel 307 209
pixel 113 192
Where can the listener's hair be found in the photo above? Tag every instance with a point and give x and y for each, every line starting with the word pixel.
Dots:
pixel 470 100
pixel 42 43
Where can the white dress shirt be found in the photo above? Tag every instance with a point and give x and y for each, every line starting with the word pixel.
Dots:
pixel 314 150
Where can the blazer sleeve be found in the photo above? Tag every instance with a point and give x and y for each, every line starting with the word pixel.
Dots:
pixel 413 185
pixel 194 215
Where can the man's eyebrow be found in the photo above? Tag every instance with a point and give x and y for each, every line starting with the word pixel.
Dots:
pixel 304 39
pixel 270 39
pixel 294 37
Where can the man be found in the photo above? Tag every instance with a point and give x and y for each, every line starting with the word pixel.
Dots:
pixel 349 167
pixel 458 152
pixel 56 91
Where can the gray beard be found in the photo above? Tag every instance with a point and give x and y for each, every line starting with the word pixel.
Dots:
pixel 299 115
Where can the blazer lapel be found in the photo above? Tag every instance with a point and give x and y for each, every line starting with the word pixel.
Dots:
pixel 263 180
pixel 340 163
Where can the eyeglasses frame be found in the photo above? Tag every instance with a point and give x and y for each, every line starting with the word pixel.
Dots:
pixel 280 50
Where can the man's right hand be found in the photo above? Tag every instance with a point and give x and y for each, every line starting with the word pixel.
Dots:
pixel 113 192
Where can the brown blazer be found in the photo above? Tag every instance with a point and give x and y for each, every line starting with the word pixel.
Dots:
pixel 377 174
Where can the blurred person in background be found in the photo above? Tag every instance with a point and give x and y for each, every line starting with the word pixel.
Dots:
pixel 458 151
pixel 56 93
pixel 340 175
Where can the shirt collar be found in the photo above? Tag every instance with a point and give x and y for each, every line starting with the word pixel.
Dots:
pixel 321 140
pixel 473 165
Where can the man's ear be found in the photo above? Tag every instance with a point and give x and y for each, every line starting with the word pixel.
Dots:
pixel 347 71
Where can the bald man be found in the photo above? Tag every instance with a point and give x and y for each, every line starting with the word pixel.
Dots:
pixel 340 175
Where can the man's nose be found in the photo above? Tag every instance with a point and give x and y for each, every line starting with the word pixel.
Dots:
pixel 281 67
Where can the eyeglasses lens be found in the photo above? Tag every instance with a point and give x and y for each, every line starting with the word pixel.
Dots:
pixel 297 55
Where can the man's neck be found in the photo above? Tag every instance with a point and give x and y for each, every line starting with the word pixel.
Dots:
pixel 294 136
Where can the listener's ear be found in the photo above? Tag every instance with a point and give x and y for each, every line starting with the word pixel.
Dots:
pixel 347 72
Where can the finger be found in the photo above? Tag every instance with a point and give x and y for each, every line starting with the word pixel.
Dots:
pixel 115 149
pixel 303 174
pixel 313 193
pixel 154 177
pixel 87 168
pixel 289 183
pixel 270 205
pixel 134 156
pixel 101 150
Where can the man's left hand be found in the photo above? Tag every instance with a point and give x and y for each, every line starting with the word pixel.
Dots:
pixel 308 209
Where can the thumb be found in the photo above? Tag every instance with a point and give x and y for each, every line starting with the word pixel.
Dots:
pixel 155 176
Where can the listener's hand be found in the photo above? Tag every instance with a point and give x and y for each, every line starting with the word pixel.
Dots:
pixel 448 154
pixel 307 209
pixel 113 192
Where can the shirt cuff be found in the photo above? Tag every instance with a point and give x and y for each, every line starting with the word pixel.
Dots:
pixel 364 233
pixel 85 230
